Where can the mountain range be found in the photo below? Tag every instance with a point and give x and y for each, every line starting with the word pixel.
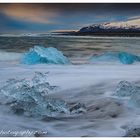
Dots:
pixel 129 27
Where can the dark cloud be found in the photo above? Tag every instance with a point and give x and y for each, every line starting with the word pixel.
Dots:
pixel 54 16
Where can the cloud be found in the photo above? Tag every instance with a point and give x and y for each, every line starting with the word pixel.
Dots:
pixel 57 16
pixel 30 13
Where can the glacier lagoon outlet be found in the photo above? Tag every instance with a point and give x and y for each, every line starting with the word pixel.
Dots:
pixel 40 54
pixel 123 57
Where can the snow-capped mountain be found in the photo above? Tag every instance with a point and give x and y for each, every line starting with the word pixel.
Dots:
pixel 130 26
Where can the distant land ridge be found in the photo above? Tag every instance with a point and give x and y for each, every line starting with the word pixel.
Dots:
pixel 125 28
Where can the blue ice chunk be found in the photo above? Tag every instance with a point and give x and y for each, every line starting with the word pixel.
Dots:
pixel 123 57
pixel 39 54
pixel 127 58
pixel 129 90
pixel 32 98
pixel 135 99
pixel 125 89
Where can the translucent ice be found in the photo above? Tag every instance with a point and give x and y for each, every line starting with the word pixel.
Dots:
pixel 39 54
pixel 31 98
pixel 14 87
pixel 125 89
pixel 42 107
pixel 127 58
pixel 135 99
pixel 133 132
pixel 123 57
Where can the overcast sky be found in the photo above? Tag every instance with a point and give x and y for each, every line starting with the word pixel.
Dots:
pixel 22 18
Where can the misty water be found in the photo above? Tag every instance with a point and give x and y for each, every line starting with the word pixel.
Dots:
pixel 84 102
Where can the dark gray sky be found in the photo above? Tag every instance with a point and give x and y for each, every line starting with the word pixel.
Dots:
pixel 20 18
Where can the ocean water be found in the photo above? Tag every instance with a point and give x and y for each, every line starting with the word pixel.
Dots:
pixel 76 48
pixel 80 82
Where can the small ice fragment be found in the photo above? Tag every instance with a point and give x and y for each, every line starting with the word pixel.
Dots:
pixel 125 89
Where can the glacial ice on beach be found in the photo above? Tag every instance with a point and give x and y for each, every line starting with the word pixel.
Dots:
pixel 133 132
pixel 127 58
pixel 135 99
pixel 39 54
pixel 31 98
pixel 123 57
pixel 125 89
